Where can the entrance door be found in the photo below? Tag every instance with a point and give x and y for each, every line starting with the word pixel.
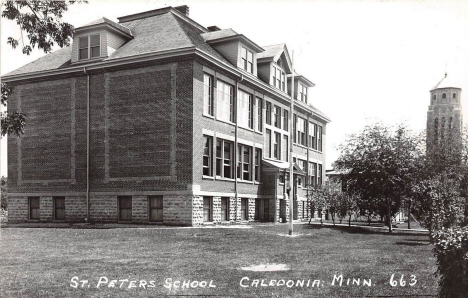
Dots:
pixel 283 210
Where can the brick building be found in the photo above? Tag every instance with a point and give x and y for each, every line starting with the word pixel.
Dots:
pixel 159 119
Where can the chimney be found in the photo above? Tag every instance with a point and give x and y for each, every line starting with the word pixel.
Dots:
pixel 183 9
pixel 213 28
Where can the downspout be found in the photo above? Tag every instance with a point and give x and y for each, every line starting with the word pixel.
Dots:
pixel 87 144
pixel 235 143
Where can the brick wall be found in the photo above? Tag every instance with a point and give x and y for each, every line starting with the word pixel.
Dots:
pixel 103 209
pixel 75 209
pixel 18 209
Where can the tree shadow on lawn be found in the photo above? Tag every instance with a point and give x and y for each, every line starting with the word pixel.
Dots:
pixel 364 230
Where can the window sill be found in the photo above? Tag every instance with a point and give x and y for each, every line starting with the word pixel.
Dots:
pixel 259 132
pixel 246 128
pixel 208 116
pixel 245 181
pixel 227 122
pixel 257 182
pixel 208 177
pixel 224 179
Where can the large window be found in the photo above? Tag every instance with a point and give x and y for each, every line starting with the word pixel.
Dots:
pixel 59 208
pixel 294 129
pixel 125 208
pixel 301 130
pixel 34 208
pixel 286 146
pixel 258 160
pixel 89 46
pixel 244 209
pixel 224 209
pixel 259 114
pixel 224 158
pixel 312 135
pixel 277 117
pixel 208 156
pixel 268 113
pixel 268 142
pixel 207 209
pixel 247 60
pixel 208 94
pixel 319 175
pixel 244 162
pixel 156 208
pixel 285 119
pixel 224 102
pixel 245 110
pixel 302 93
pixel 319 138
pixel 277 146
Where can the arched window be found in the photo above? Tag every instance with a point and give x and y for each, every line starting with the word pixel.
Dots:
pixel 434 97
pixel 454 95
pixel 444 95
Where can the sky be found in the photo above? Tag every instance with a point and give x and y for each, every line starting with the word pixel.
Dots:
pixel 371 61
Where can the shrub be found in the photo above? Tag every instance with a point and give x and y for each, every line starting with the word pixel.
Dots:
pixel 451 250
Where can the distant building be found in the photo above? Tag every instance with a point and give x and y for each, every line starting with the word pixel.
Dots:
pixel 444 116
pixel 157 119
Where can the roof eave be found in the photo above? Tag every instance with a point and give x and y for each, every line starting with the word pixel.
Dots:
pixel 237 37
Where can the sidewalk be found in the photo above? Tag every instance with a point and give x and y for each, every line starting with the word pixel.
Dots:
pixel 383 228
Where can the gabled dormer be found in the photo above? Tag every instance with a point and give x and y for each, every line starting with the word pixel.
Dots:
pixel 236 48
pixel 98 40
pixel 301 87
pixel 274 65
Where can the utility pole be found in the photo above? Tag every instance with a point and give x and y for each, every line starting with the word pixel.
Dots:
pixel 291 164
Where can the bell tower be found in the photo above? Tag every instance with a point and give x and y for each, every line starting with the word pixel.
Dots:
pixel 444 117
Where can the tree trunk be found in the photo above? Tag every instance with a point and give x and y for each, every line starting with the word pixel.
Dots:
pixel 409 214
pixel 389 215
pixel 349 223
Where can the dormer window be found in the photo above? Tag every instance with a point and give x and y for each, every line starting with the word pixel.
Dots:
pixel 279 78
pixel 302 93
pixel 90 46
pixel 247 60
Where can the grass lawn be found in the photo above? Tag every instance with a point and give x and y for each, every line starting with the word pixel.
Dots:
pixel 38 262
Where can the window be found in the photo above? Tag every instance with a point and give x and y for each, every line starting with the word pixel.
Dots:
pixel 302 93
pixel 244 209
pixel 224 156
pixel 301 129
pixel 207 210
pixel 224 209
pixel 442 128
pixel 247 60
pixel 450 123
pixel 444 95
pixel 34 208
pixel 155 208
pixel 258 160
pixel 245 110
pixel 319 138
pixel 224 103
pixel 286 146
pixel 259 114
pixel 268 142
pixel 294 129
pixel 59 208
pixel 299 181
pixel 279 77
pixel 268 113
pixel 312 135
pixel 319 175
pixel 277 118
pixel 302 164
pixel 281 178
pixel 89 46
pixel 208 95
pixel 285 119
pixel 277 146
pixel 125 208
pixel 207 156
pixel 244 161
pixel 434 97
pixel 454 95
pixel 312 174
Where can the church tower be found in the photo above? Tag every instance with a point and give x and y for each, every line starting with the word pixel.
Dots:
pixel 444 117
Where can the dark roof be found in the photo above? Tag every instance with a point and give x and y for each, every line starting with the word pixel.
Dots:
pixel 273 51
pixel 108 22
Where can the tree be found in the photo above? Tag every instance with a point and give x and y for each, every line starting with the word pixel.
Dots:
pixel 4 192
pixel 379 161
pixel 43 25
pixel 318 200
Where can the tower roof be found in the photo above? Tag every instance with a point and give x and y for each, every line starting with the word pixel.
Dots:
pixel 446 83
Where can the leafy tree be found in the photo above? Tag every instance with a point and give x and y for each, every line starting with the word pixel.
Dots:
pixel 318 200
pixel 379 161
pixel 4 192
pixel 42 23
